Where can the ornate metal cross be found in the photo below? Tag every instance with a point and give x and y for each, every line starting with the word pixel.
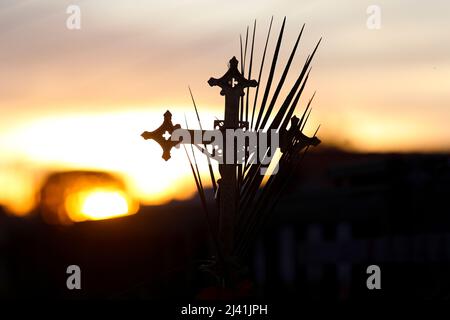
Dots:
pixel 232 85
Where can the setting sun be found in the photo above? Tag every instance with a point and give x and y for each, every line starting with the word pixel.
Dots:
pixel 97 205
pixel 77 196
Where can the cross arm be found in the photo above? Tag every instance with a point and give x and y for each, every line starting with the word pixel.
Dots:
pixel 294 133
pixel 169 136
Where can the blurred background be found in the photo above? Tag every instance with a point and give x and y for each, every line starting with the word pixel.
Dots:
pixel 78 184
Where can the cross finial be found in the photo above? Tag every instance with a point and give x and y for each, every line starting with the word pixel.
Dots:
pixel 162 135
pixel 232 82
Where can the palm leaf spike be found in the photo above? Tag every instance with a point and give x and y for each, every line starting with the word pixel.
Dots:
pixel 253 208
pixel 307 147
pixel 281 112
pixel 255 181
pixel 244 107
pixel 243 59
pixel 241 104
pixel 242 72
pixel 291 111
pixel 250 70
pixel 251 189
pixel 201 193
pixel 277 120
pixel 271 74
pixel 265 204
pixel 259 210
pixel 306 120
pixel 308 105
pixel 255 100
pixel 210 168
pixel 247 100
pixel 195 160
pixel 194 173
pixel 300 123
pixel 260 214
pixel 245 52
pixel 281 81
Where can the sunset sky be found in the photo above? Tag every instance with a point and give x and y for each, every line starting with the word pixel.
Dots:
pixel 79 99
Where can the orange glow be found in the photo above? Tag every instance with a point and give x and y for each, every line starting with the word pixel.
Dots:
pixel 76 196
pixel 17 192
pixel 98 204
pixel 100 142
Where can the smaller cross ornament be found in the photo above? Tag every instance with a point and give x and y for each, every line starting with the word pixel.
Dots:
pixel 162 135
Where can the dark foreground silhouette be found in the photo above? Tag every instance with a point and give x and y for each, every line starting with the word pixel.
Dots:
pixel 342 213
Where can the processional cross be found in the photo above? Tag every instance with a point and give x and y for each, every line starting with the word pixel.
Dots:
pixel 232 85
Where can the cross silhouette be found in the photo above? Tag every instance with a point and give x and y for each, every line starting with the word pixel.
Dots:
pixel 232 85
